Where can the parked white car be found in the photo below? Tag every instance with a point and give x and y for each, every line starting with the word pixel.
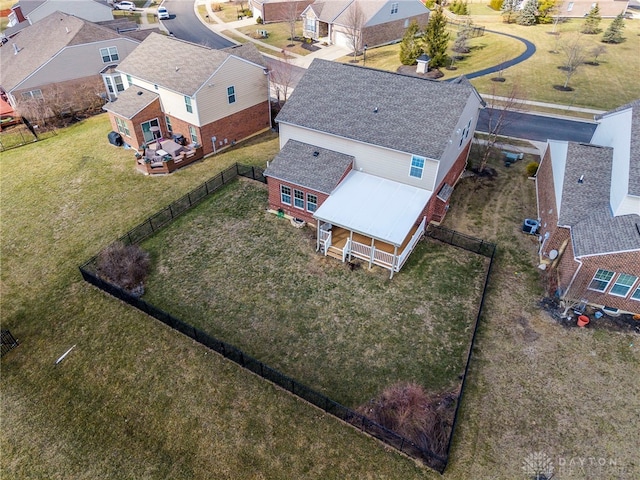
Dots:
pixel 125 6
pixel 163 13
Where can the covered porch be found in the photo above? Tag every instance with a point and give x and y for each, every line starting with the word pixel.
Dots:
pixel 371 218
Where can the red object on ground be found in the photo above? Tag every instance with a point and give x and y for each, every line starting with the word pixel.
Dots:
pixel 583 321
pixel 5 108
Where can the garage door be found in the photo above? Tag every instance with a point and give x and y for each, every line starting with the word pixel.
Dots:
pixel 342 39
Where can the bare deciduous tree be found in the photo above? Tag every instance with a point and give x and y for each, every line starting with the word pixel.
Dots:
pixel 281 76
pixel 354 21
pixel 575 55
pixel 291 14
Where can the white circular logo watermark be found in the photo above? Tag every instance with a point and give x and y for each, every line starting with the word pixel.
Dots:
pixel 538 465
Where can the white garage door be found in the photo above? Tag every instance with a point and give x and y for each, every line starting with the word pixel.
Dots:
pixel 342 39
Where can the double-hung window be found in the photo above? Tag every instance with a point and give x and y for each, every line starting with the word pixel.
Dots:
pixel 109 54
pixel 298 199
pixel 636 295
pixel 167 120
pixel 193 134
pixel 623 284
pixel 394 8
pixel 187 104
pixel 285 194
pixel 312 202
pixel 417 166
pixel 601 280
pixel 231 94
pixel 310 24
pixel 122 126
pixel 32 94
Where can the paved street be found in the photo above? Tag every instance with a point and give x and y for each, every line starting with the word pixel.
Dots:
pixel 186 25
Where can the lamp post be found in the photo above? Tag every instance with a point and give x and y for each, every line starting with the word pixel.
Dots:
pixel 364 52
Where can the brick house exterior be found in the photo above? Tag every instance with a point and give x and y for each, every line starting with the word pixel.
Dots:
pixel 212 107
pixel 383 174
pixel 277 10
pixel 589 213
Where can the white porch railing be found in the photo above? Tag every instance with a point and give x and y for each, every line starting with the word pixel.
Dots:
pixel 411 245
pixel 325 241
pixel 345 250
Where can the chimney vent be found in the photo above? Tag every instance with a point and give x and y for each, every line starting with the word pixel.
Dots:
pixel 581 179
pixel 316 153
pixel 375 110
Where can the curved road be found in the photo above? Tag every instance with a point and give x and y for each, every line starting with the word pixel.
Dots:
pixel 186 25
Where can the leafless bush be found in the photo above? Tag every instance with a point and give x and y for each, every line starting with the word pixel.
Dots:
pixel 409 411
pixel 125 265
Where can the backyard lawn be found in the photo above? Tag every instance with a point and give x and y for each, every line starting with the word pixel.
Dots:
pixel 252 280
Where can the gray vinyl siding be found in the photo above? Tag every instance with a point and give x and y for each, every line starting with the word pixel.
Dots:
pixel 406 9
pixel 249 82
pixel 375 160
pixel 78 61
pixel 86 9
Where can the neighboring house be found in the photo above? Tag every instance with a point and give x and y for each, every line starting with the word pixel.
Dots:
pixel 214 98
pixel 28 12
pixel 62 63
pixel 278 10
pixel 361 22
pixel 370 157
pixel 589 209
pixel 580 8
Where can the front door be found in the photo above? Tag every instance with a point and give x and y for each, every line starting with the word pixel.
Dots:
pixel 151 130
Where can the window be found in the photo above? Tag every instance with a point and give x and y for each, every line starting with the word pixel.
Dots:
pixel 122 127
pixel 109 84
pixel 167 120
pixel 394 8
pixel 417 166
pixel 285 194
pixel 32 94
pixel 231 94
pixel 187 104
pixel 312 202
pixel 310 24
pixel 636 295
pixel 151 130
pixel 193 134
pixel 129 80
pixel 570 7
pixel 622 285
pixel 298 199
pixel 109 54
pixel 118 81
pixel 601 280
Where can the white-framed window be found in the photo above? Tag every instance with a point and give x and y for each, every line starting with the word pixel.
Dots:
pixel 636 294
pixel 122 127
pixel 193 134
pixel 394 8
pixel 167 120
pixel 601 280
pixel 32 94
pixel 117 79
pixel 310 24
pixel 151 130
pixel 623 284
pixel 231 94
pixel 312 202
pixel 285 194
pixel 109 83
pixel 417 166
pixel 298 199
pixel 570 7
pixel 129 80
pixel 109 54
pixel 187 104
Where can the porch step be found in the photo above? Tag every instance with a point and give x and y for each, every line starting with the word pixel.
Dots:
pixel 335 253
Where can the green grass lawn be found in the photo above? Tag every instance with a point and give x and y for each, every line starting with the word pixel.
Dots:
pixel 279 36
pixel 252 280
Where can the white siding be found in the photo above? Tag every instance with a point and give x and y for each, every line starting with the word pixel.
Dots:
pixel 78 61
pixel 371 159
pixel 558 164
pixel 406 9
pixel 250 84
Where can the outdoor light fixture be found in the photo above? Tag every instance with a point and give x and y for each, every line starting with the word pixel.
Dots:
pixel 364 60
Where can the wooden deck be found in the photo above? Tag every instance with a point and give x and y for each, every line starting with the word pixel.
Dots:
pixel 340 235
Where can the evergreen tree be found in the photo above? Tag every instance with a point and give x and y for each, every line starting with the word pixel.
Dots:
pixel 509 10
pixel 527 15
pixel 461 45
pixel 614 32
pixel 592 21
pixel 410 48
pixel 459 7
pixel 546 8
pixel 436 38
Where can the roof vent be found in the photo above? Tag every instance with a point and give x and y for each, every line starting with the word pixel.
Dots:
pixel 581 179
pixel 67 29
pixel 177 68
pixel 15 49
pixel 139 92
pixel 375 110
pixel 316 153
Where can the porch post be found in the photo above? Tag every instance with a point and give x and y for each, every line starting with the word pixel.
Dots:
pixel 395 260
pixel 318 236
pixel 350 240
pixel 373 251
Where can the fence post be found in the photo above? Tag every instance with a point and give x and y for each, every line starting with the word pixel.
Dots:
pixel 253 172
pixel 171 211
pixel 222 176
pixel 150 224
pixel 129 235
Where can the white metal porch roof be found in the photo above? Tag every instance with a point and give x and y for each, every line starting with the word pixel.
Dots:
pixel 373 206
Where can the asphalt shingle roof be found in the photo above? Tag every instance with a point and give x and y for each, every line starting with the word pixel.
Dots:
pixel 297 164
pixel 131 101
pixel 395 111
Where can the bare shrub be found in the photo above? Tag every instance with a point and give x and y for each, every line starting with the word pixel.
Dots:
pixel 409 411
pixel 126 266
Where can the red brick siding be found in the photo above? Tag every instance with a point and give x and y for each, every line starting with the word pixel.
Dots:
pixel 275 202
pixel 150 112
pixel 390 31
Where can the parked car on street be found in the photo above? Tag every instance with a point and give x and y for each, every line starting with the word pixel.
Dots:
pixel 163 13
pixel 125 6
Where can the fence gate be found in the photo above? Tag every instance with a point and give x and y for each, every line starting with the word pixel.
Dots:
pixel 8 342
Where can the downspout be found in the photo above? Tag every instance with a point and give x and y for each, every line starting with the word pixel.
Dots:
pixel 318 236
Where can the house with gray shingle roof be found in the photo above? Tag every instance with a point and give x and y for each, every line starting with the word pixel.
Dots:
pixel 61 63
pixel 370 157
pixel 213 98
pixel 589 209
pixel 355 23
pixel 277 10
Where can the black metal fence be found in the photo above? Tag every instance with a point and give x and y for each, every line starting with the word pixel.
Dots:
pixel 167 215
pixel 7 342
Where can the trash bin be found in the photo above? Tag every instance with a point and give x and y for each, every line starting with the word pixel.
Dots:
pixel 115 139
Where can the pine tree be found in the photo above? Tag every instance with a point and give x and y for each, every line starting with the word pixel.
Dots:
pixel 527 15
pixel 509 9
pixel 410 48
pixel 592 21
pixel 436 39
pixel 461 45
pixel 614 32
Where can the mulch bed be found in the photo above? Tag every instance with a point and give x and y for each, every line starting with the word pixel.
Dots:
pixel 411 70
pixel 621 323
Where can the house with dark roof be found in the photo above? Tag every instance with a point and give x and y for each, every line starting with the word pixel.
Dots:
pixel 213 98
pixel 580 8
pixel 28 12
pixel 355 23
pixel 62 63
pixel 278 10
pixel 370 157
pixel 589 210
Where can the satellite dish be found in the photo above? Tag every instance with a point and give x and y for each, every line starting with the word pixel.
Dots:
pixel 553 254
